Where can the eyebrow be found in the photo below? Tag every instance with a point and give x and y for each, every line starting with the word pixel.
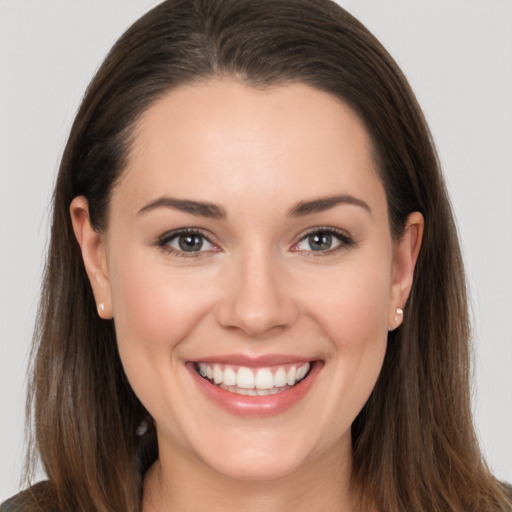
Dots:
pixel 326 203
pixel 213 211
pixel 199 208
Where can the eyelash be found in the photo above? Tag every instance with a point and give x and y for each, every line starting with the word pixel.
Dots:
pixel 164 240
pixel 344 239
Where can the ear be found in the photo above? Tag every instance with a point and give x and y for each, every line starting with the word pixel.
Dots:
pixel 92 245
pixel 405 255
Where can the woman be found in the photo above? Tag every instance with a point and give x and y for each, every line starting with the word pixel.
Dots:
pixel 254 295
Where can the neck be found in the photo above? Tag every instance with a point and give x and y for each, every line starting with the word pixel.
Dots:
pixel 180 483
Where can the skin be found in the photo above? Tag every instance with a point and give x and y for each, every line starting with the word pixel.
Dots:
pixel 256 288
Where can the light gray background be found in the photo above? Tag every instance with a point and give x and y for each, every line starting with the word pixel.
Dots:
pixel 457 55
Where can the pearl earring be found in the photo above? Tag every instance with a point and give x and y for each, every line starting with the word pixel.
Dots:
pixel 102 306
pixel 399 312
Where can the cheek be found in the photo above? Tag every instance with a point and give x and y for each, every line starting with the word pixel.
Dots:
pixel 355 321
pixel 351 307
pixel 352 302
pixel 154 312
pixel 152 306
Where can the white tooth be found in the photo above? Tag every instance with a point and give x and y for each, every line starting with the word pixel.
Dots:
pixel 209 371
pixel 264 379
pixel 229 377
pixel 292 372
pixel 301 372
pixel 245 378
pixel 273 391
pixel 263 392
pixel 240 391
pixel 202 369
pixel 252 392
pixel 218 374
pixel 280 378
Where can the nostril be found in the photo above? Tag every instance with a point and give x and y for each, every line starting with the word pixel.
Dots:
pixel 256 320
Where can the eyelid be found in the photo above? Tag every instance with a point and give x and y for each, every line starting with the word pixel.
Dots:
pixel 163 242
pixel 346 240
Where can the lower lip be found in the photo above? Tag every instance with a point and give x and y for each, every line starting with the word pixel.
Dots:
pixel 256 406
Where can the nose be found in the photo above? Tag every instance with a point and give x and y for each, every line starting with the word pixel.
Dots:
pixel 258 298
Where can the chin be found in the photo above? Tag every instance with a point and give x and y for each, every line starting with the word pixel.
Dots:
pixel 257 468
pixel 259 454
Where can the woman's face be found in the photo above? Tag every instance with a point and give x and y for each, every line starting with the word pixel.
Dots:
pixel 248 243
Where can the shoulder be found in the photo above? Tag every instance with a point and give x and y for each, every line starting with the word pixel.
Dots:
pixel 12 505
pixel 508 491
pixel 38 498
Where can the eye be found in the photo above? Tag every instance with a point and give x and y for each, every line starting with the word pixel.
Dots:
pixel 186 243
pixel 323 240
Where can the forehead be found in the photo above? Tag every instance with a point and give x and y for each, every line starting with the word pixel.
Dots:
pixel 277 144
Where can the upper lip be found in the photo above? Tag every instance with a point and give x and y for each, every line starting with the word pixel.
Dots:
pixel 254 361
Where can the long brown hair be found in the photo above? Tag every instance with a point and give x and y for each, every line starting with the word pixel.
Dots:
pixel 414 444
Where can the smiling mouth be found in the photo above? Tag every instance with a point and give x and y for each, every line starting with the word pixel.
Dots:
pixel 243 380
